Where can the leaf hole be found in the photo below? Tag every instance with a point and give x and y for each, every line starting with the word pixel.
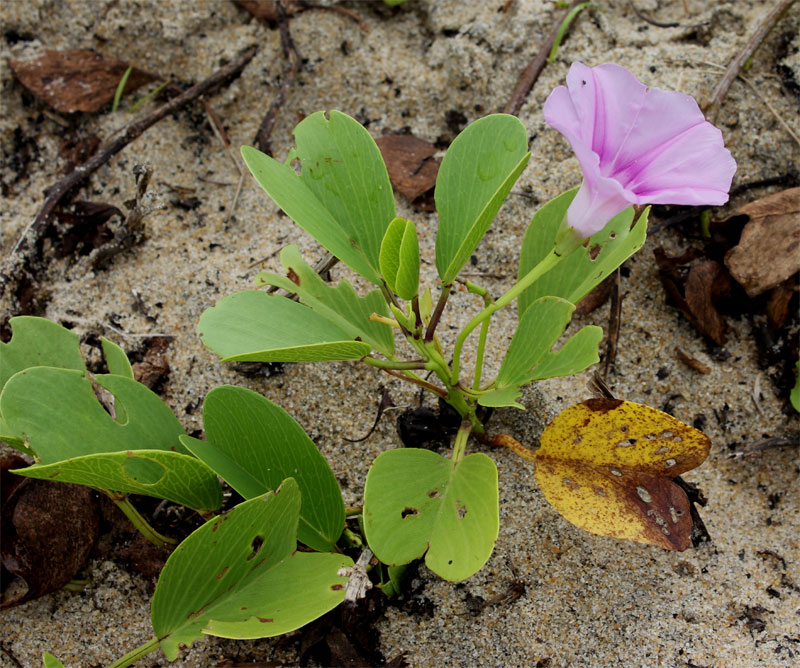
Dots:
pixel 663 450
pixel 670 463
pixel 594 251
pixel 461 511
pixel 666 434
pixel 675 514
pixel 569 483
pixel 626 443
pixel 612 236
pixel 577 440
pixel 409 512
pixel 660 521
pixel 644 495
pixel 434 493
pixel 599 491
pixel 651 437
pixel 255 546
pixel 615 472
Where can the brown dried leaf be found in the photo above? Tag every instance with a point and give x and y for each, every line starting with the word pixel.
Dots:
pixel 153 370
pixel 76 79
pixel 48 530
pixel 769 249
pixel 778 303
pixel 267 9
pixel 597 297
pixel 76 152
pixel 410 163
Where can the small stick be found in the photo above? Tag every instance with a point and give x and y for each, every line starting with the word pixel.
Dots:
pixel 359 583
pixel 262 139
pixel 531 73
pixel 749 48
pixel 647 19
pixel 25 250
pixel 614 318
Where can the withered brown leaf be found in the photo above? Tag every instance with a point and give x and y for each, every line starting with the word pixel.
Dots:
pixel 769 249
pixel 410 163
pixel 76 79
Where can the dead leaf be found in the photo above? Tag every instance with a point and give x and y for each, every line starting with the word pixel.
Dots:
pixel 410 163
pixel 153 369
pixel 48 531
pixel 267 9
pixel 695 290
pixel 778 303
pixel 597 297
pixel 76 152
pixel 76 79
pixel 84 228
pixel 607 466
pixel 768 252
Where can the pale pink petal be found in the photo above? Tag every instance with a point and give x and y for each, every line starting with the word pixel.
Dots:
pixel 596 202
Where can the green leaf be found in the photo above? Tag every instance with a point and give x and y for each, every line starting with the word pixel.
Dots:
pixel 164 475
pixel 476 175
pixel 400 258
pixel 116 358
pixel 252 326
pixel 49 661
pixel 240 576
pixel 578 353
pixel 794 395
pixel 342 196
pixel 38 342
pixel 575 276
pixel 529 356
pixel 539 328
pixel 254 445
pixel 58 414
pixel 418 503
pixel 340 305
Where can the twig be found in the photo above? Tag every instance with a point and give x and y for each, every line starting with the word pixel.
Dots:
pixel 653 22
pixel 344 12
pixel 26 249
pixel 531 73
pixel 262 140
pixel 768 444
pixel 749 48
pixel 359 583
pixel 614 318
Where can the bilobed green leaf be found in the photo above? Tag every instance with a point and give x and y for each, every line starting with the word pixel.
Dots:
pixel 579 352
pixel 529 356
pixel 418 503
pixel 57 412
pixel 240 576
pixel 164 475
pixel 340 305
pixel 254 445
pixel 116 358
pixel 575 276
pixel 252 326
pixel 38 342
pixel 476 175
pixel 49 661
pixel 342 196
pixel 400 258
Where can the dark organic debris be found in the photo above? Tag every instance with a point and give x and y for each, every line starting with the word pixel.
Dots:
pixel 76 79
pixel 410 163
pixel 152 370
pixel 384 403
pixel 691 362
pixel 597 297
pixel 76 151
pixel 83 228
pixel 267 10
pixel 48 531
pixel 772 231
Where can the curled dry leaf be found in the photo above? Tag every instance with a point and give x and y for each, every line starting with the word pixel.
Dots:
pixel 410 163
pixel 695 290
pixel 48 531
pixel 76 79
pixel 607 466
pixel 768 252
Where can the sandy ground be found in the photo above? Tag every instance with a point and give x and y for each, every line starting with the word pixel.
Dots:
pixel 589 601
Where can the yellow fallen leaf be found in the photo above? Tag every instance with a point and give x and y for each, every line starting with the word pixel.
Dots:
pixel 606 465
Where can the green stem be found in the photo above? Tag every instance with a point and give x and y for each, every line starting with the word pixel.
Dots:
pixel 547 263
pixel 386 364
pixel 136 654
pixel 140 522
pixel 476 381
pixel 460 446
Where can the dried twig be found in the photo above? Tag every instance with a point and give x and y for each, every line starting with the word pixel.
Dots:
pixel 359 583
pixel 758 448
pixel 25 251
pixel 614 318
pixel 262 140
pixel 653 22
pixel 713 106
pixel 531 73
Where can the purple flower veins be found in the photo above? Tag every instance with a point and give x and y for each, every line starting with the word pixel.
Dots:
pixel 635 146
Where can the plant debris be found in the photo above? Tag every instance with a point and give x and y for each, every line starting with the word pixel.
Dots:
pixel 410 163
pixel 772 231
pixel 76 79
pixel 48 529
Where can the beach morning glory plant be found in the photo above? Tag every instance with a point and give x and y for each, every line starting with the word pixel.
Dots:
pixel 636 146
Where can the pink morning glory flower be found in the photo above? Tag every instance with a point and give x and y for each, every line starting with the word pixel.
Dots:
pixel 635 146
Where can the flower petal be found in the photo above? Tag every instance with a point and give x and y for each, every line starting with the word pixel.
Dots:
pixel 597 201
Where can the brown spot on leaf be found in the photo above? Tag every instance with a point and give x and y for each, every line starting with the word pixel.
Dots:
pixel 265 620
pixel 76 79
pixel 409 512
pixel 293 277
pixel 337 587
